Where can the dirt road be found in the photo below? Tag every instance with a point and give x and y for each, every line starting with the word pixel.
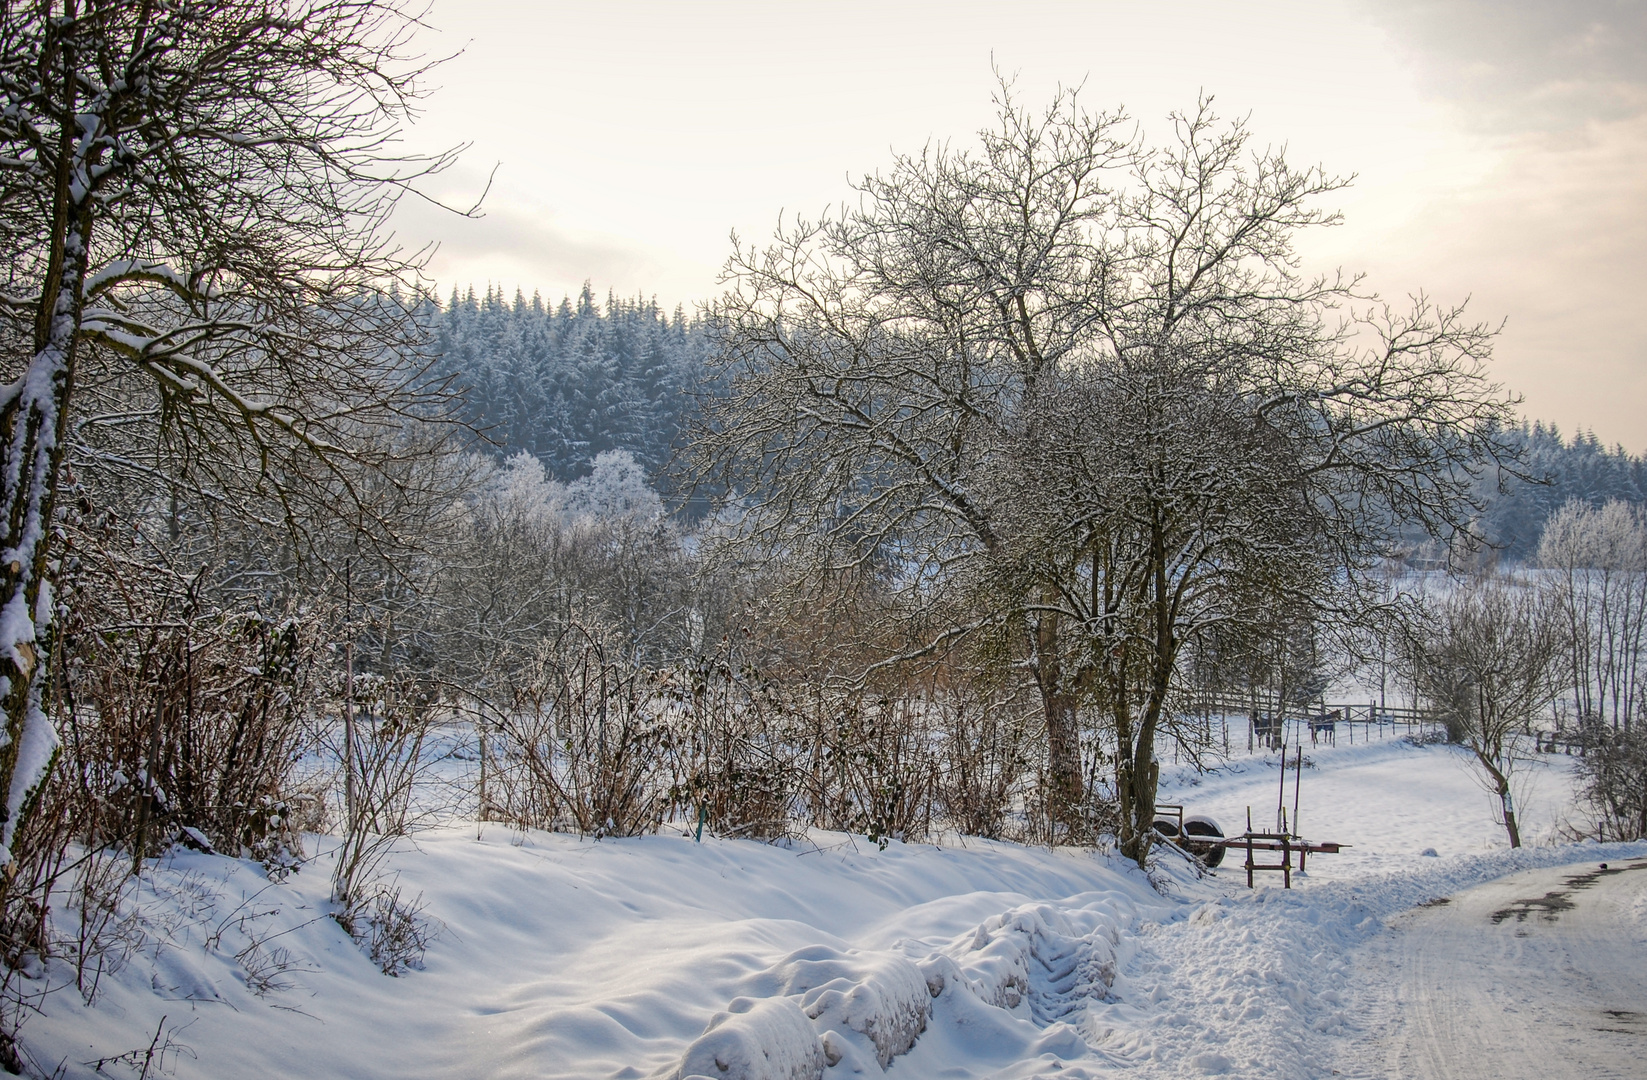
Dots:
pixel 1541 975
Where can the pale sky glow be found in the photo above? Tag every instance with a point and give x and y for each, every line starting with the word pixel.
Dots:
pixel 1500 148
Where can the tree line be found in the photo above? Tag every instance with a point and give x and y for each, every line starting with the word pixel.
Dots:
pixel 1558 470
pixel 568 382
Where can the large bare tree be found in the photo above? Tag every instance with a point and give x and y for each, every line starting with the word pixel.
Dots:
pixel 1083 382
pixel 191 195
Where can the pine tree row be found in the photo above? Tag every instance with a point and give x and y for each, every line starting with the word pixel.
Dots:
pixel 568 382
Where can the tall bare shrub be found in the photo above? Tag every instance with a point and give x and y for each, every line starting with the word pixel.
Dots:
pixel 182 717
pixel 582 745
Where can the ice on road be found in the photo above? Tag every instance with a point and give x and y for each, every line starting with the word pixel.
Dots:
pixel 1542 974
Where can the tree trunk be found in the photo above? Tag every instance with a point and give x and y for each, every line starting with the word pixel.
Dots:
pixel 1509 818
pixel 1141 777
pixel 1058 702
pixel 1136 779
pixel 1501 786
pixel 32 425
pixel 1143 774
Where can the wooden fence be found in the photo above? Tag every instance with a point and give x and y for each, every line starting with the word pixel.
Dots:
pixel 1270 725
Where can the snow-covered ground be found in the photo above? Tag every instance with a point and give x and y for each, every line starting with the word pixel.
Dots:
pixel 661 957
pixel 1538 974
pixel 1389 799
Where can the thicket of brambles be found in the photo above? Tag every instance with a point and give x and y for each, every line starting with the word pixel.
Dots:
pixel 951 517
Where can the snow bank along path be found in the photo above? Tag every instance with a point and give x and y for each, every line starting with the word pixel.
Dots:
pixel 658 957
pixel 646 957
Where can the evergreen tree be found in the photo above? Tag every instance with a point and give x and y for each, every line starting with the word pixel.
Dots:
pixel 569 383
pixel 1557 471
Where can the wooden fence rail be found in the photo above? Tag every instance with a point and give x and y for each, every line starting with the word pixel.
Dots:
pixel 1271 725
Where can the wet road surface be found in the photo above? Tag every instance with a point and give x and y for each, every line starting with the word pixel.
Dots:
pixel 1540 975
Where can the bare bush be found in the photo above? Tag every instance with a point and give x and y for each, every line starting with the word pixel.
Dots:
pixel 582 745
pixel 382 758
pixel 985 743
pixel 737 768
pixel 1613 779
pixel 182 718
pixel 158 1058
pixel 393 930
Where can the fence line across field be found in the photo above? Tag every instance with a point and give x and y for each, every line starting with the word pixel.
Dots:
pixel 1271 724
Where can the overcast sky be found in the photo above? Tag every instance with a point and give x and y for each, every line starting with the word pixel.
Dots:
pixel 1500 147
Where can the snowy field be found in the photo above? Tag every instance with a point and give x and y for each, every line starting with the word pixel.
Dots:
pixel 661 957
pixel 1388 799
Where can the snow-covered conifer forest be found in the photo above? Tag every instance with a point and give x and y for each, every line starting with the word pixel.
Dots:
pixel 815 682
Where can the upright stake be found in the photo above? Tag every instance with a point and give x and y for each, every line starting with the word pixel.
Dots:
pixel 480 734
pixel 1281 795
pixel 349 794
pixel 1297 777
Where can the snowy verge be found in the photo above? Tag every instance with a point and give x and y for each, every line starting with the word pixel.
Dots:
pixel 1032 967
pixel 660 957
pixel 769 1039
pixel 557 957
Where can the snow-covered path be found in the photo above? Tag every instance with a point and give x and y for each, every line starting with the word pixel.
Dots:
pixel 658 957
pixel 1541 974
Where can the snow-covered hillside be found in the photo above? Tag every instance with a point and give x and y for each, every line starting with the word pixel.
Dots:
pixel 557 957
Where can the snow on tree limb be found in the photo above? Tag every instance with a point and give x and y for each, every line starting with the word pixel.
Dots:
pixel 195 190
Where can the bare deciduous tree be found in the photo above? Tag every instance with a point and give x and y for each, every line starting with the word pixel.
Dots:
pixel 1598 561
pixel 1491 663
pixel 1082 382
pixel 875 358
pixel 191 193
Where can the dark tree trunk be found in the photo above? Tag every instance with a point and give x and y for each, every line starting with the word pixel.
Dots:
pixel 1510 824
pixel 1058 701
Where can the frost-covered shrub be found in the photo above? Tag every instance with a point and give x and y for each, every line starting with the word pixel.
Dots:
pixel 183 715
pixel 1613 779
